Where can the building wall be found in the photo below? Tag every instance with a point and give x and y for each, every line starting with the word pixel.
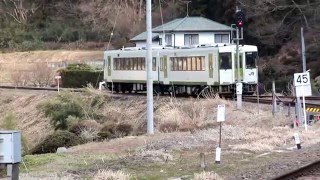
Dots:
pixel 144 44
pixel 178 38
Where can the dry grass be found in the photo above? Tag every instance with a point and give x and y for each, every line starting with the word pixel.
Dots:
pixel 207 176
pixel 24 61
pixel 111 175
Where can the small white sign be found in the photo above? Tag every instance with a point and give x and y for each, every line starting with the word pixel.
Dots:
pixel 221 113
pixel 57 77
pixel 239 88
pixel 303 91
pixel 301 79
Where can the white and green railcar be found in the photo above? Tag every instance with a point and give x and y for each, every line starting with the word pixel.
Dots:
pixel 186 71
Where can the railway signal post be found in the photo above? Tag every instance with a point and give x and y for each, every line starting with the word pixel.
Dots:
pixel 240 17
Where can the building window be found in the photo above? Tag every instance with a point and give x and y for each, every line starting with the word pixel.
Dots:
pixel 193 63
pixel 221 38
pixel 168 39
pixel 191 39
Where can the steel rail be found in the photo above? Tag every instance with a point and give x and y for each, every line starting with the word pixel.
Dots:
pixel 42 88
pixel 307 170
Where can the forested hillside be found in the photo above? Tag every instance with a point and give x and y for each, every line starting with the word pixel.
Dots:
pixel 273 25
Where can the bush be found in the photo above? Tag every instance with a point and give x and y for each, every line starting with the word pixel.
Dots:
pixel 169 127
pixel 114 131
pixel 80 75
pixel 84 125
pixel 60 111
pixel 107 131
pixel 58 139
pixel 123 129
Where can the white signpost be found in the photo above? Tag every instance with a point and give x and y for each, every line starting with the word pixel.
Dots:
pixel 58 77
pixel 303 88
pixel 221 116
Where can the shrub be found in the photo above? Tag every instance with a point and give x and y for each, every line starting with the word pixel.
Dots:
pixel 107 131
pixel 113 131
pixel 123 129
pixel 60 111
pixel 169 127
pixel 80 75
pixel 58 139
pixel 77 128
pixel 68 104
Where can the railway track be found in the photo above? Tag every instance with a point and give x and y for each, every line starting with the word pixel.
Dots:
pixel 310 171
pixel 41 88
pixel 313 101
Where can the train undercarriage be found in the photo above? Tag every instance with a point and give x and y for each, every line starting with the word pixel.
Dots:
pixel 173 89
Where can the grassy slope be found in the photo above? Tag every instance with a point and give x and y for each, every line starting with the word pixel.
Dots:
pixel 247 135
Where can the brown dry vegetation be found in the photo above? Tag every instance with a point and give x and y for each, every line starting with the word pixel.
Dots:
pixel 18 67
pixel 246 136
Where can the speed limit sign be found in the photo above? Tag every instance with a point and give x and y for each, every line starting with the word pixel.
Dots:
pixel 302 79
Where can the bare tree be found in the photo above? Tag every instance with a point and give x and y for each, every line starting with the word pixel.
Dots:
pixel 41 74
pixel 19 10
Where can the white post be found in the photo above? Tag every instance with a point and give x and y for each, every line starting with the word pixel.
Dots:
pixel 304 110
pixel 149 70
pixel 58 85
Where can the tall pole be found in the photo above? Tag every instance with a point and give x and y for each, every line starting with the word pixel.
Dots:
pixel 304 68
pixel 303 52
pixel 239 95
pixel 149 70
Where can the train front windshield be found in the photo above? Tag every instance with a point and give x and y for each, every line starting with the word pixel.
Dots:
pixel 251 59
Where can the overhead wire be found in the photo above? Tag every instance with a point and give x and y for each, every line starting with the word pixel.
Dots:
pixel 108 45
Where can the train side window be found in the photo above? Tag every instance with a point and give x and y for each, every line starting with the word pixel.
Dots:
pixel 184 64
pixel 143 64
pixel 198 64
pixel 134 64
pixel 203 67
pixel 189 62
pixel 225 61
pixel 251 59
pixel 154 64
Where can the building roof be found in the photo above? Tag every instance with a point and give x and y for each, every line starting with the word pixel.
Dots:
pixel 192 24
pixel 143 36
pixel 186 24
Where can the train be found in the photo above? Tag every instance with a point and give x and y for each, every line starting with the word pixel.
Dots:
pixel 183 70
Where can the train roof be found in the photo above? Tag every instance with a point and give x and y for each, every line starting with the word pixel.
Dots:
pixel 225 48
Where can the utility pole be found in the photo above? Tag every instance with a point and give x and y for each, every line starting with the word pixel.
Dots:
pixel 150 125
pixel 304 68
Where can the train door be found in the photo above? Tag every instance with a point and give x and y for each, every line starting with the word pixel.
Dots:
pixel 109 66
pixel 210 65
pixel 225 72
pixel 251 73
pixel 236 66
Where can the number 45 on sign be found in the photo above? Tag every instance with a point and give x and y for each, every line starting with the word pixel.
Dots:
pixel 302 84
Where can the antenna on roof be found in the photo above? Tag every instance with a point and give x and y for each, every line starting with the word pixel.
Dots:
pixel 187 2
